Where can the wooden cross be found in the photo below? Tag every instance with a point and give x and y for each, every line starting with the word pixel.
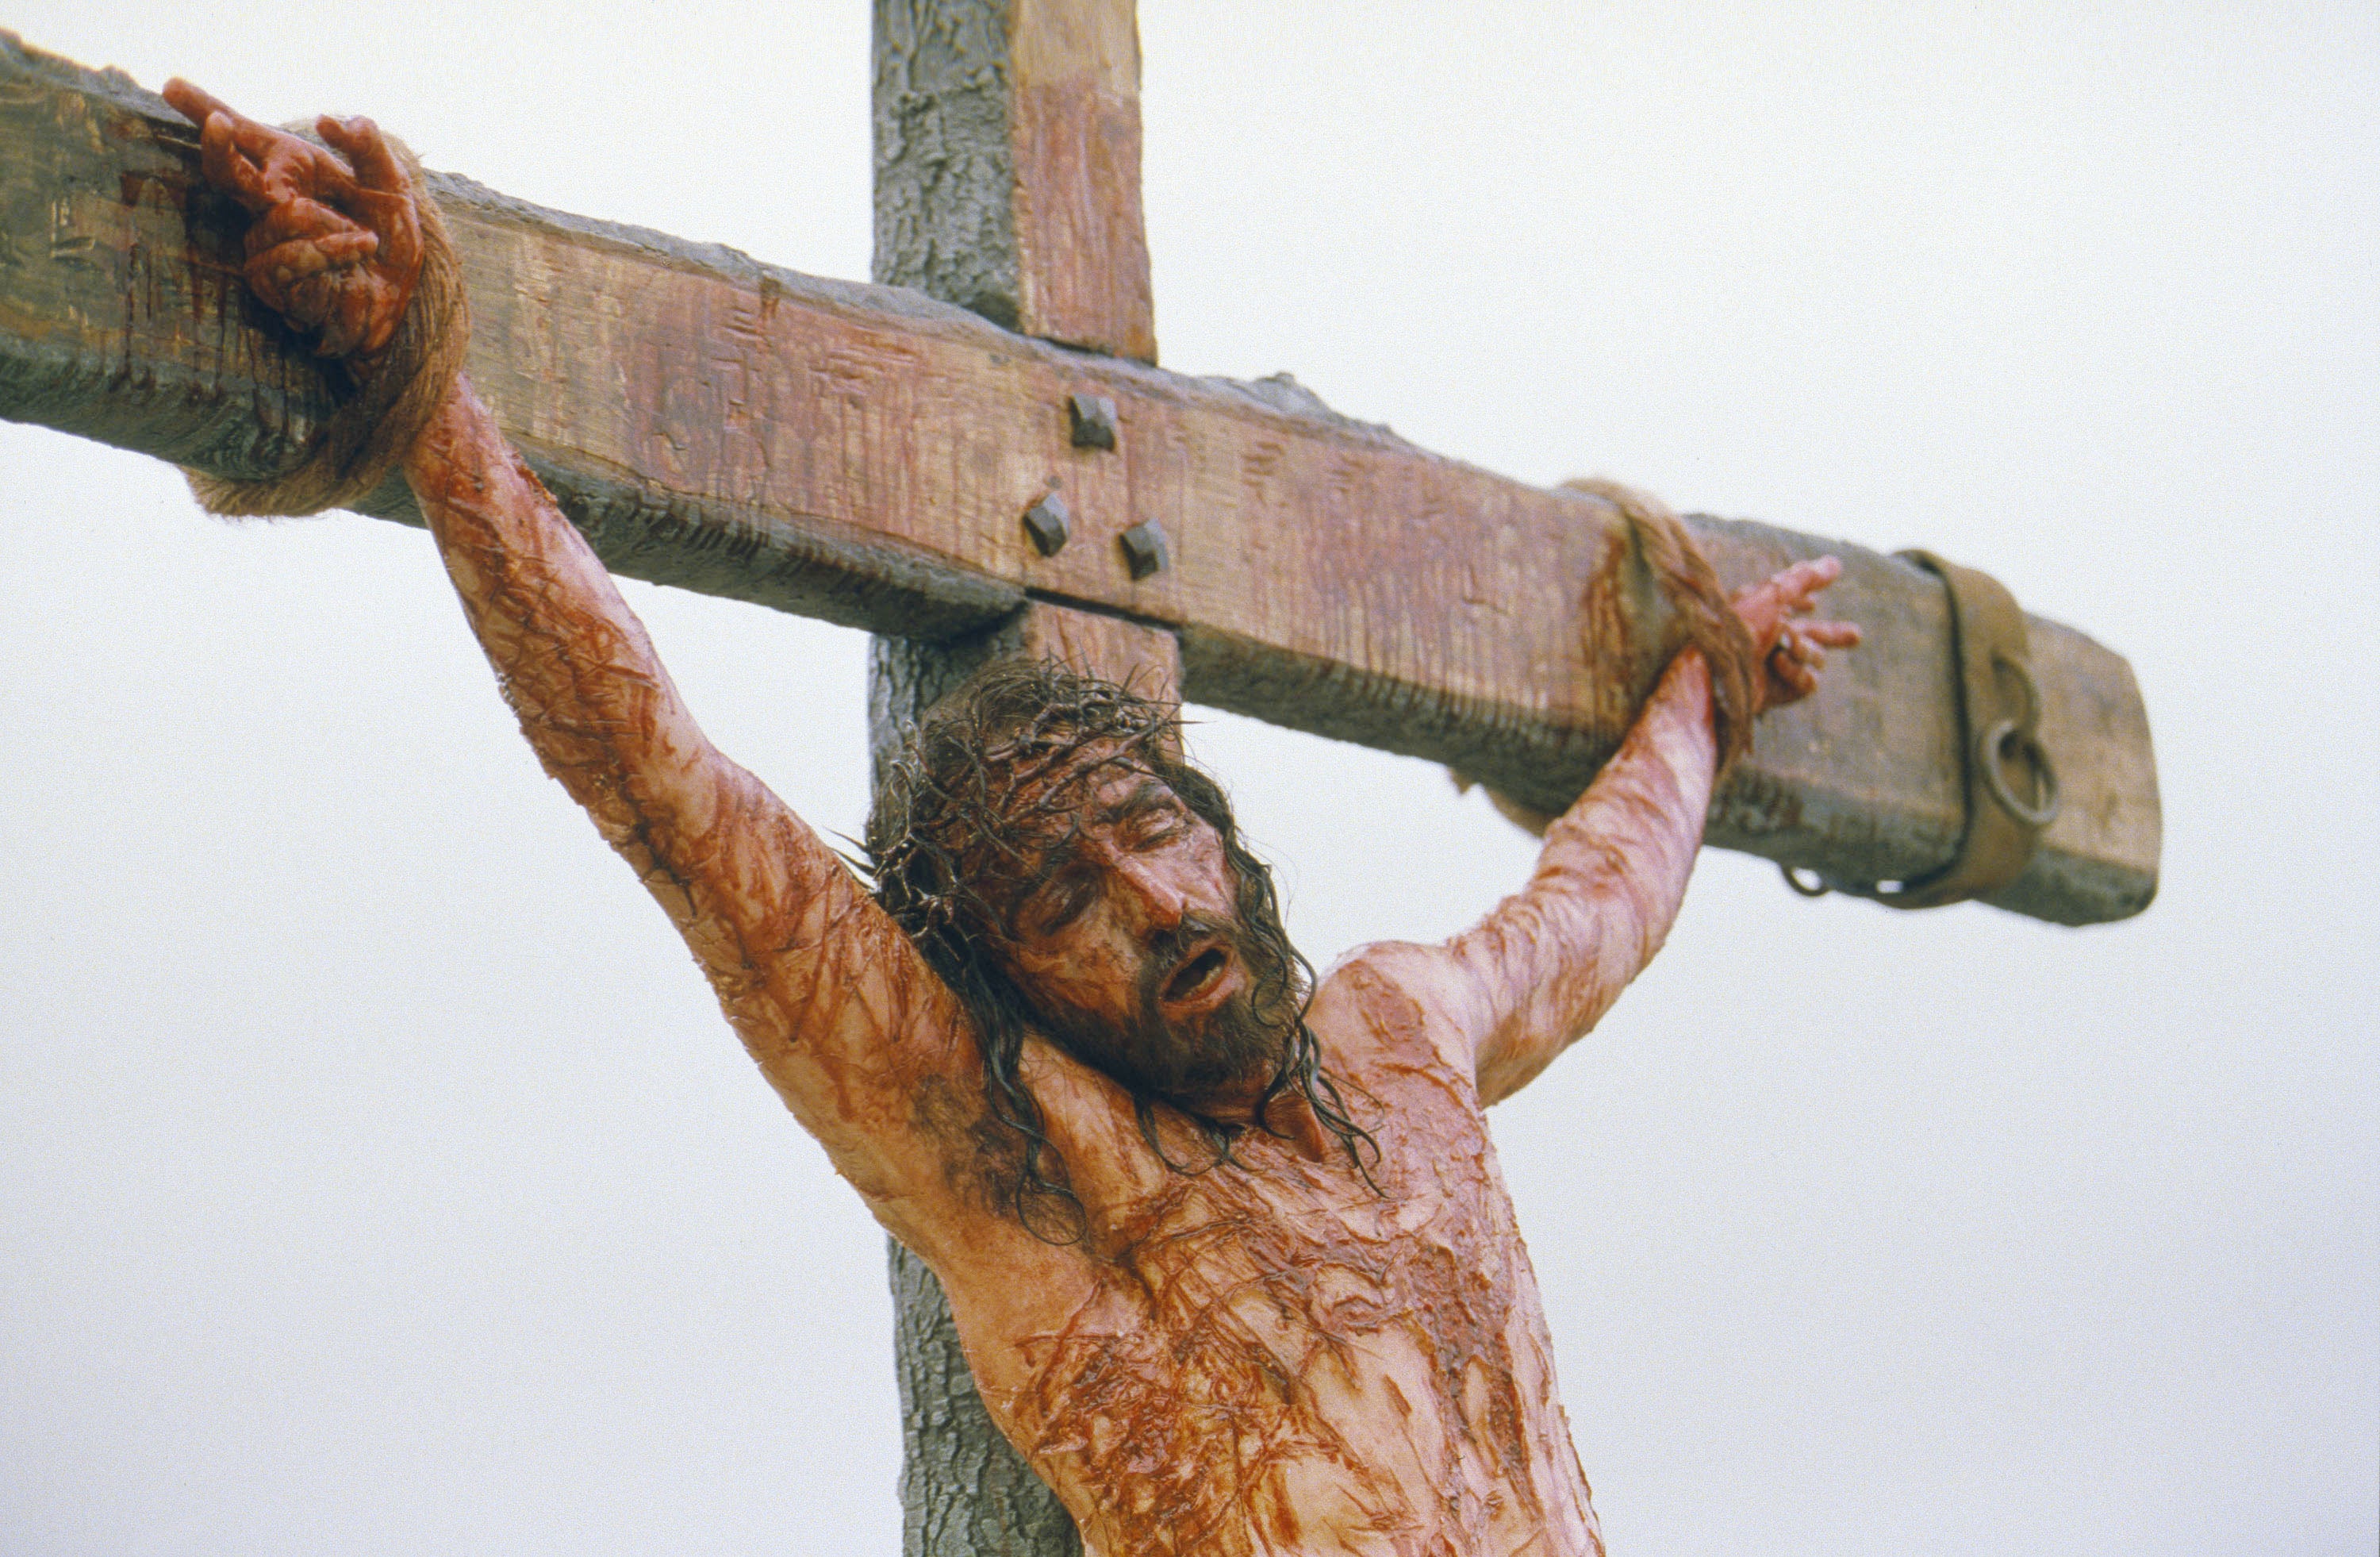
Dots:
pixel 876 457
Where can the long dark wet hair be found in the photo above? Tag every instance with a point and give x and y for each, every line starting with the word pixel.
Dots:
pixel 993 779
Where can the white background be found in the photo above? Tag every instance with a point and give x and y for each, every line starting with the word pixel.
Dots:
pixel 380 1178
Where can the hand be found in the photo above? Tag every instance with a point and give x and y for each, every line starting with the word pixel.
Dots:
pixel 1792 651
pixel 336 246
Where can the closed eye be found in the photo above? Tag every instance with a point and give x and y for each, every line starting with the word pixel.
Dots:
pixel 1151 815
pixel 1155 827
pixel 1059 902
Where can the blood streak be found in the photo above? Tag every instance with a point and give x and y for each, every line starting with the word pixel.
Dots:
pixel 1275 1359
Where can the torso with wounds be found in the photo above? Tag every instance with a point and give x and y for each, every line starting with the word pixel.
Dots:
pixel 1227 1244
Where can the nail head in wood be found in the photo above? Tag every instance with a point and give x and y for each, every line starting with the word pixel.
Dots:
pixel 1144 548
pixel 1046 523
pixel 1095 421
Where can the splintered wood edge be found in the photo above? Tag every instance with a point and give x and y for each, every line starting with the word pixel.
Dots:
pixel 163 353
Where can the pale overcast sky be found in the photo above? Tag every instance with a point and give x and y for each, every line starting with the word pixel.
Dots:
pixel 380 1179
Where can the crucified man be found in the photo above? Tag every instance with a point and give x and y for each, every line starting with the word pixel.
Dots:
pixel 1226 1242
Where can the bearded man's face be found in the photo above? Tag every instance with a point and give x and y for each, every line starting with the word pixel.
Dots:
pixel 1128 936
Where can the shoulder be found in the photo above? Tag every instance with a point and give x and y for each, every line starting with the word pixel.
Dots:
pixel 1393 1000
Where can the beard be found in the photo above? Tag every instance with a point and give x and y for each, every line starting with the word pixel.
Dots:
pixel 1248 1037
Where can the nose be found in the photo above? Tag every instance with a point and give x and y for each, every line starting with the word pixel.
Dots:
pixel 1155 896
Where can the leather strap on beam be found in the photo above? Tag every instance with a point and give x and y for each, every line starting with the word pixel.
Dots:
pixel 2011 786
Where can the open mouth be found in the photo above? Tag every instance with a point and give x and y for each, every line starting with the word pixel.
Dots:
pixel 1196 975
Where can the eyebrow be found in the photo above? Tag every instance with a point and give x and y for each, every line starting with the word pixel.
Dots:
pixel 1147 795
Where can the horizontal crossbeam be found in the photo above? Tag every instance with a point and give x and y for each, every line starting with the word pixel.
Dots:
pixel 867 456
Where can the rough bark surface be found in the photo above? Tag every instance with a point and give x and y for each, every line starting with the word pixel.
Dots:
pixel 964 1491
pixel 1008 166
pixel 945 170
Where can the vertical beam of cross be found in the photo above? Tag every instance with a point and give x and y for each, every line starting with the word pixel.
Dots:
pixel 1008 165
pixel 1008 182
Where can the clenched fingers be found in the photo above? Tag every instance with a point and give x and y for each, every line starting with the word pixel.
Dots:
pixel 367 151
pixel 1790 676
pixel 287 275
pixel 228 169
pixel 300 221
pixel 1800 653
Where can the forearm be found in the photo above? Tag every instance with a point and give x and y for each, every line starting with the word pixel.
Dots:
pixel 572 659
pixel 833 1000
pixel 590 694
pixel 737 873
pixel 1549 961
pixel 830 999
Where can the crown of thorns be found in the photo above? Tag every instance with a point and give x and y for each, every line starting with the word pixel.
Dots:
pixel 993 779
pixel 988 784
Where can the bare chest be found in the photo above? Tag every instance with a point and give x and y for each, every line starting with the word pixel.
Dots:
pixel 1275 1355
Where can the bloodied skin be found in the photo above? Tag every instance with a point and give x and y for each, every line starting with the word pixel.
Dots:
pixel 1325 1341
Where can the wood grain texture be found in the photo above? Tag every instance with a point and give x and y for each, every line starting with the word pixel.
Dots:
pixel 865 454
pixel 1082 245
pixel 120 298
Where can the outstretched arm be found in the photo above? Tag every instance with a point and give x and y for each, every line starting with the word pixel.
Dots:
pixel 1544 967
pixel 827 993
pixel 831 999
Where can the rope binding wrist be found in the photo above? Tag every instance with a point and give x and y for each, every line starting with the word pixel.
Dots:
pixel 365 440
